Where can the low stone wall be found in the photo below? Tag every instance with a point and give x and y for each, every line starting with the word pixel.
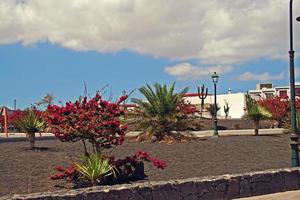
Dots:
pixel 216 187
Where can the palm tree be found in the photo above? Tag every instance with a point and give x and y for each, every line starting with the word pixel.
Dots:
pixel 158 115
pixel 30 123
pixel 256 112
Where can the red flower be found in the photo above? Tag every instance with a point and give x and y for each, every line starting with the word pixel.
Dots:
pixel 60 168
pixel 94 119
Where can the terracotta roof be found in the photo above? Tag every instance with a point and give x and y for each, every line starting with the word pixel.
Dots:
pixel 193 95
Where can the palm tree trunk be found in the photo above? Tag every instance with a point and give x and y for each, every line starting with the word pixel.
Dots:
pixel 31 137
pixel 256 123
pixel 94 182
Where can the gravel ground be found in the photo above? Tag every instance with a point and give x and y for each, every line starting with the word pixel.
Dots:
pixel 25 171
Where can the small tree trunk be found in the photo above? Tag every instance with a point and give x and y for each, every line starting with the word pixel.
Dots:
pixel 31 137
pixel 85 149
pixel 256 127
pixel 98 148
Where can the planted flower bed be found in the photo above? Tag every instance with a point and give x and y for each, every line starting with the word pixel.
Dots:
pixel 30 171
pixel 90 147
pixel 97 122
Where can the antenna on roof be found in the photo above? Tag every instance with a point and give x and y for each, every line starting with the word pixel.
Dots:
pixel 15 104
pixel 229 90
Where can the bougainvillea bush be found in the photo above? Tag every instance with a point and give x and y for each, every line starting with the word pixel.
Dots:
pixel 12 116
pixel 278 107
pixel 96 121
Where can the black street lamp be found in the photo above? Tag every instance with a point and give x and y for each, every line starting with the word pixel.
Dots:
pixel 294 134
pixel 215 78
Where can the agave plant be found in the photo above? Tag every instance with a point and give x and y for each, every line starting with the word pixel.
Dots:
pixel 160 112
pixel 30 123
pixel 256 112
pixel 94 168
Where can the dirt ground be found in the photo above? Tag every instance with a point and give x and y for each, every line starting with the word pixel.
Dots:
pixel 25 171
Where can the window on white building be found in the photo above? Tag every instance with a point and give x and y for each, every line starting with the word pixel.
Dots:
pixel 283 93
pixel 269 95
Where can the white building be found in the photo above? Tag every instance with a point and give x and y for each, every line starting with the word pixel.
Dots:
pixel 267 90
pixel 236 102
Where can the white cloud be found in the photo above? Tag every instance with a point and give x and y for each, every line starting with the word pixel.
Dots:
pixel 186 71
pixel 249 76
pixel 214 32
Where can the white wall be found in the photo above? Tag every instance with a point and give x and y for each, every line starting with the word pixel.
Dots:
pixel 236 102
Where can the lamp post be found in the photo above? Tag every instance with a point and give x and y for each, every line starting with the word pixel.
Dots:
pixel 294 135
pixel 215 78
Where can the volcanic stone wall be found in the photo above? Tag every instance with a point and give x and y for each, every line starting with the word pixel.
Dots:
pixel 216 187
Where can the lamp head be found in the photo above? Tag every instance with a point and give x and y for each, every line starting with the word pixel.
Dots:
pixel 215 77
pixel 298 19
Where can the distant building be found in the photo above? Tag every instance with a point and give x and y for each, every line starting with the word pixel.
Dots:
pixel 267 90
pixel 236 102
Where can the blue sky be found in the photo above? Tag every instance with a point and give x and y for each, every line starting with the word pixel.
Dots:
pixel 56 46
pixel 28 73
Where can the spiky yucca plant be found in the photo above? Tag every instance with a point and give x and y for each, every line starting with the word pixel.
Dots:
pixel 94 168
pixel 30 123
pixel 160 112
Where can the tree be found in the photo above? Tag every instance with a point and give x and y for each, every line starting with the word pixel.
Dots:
pixel 94 120
pixel 256 112
pixel 30 123
pixel 162 111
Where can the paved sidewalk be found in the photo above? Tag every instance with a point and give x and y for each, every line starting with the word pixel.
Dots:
pixel 23 135
pixel 194 133
pixel 209 133
pixel 291 195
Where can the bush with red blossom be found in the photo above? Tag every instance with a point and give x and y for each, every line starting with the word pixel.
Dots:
pixel 186 108
pixel 278 107
pixel 68 173
pixel 12 116
pixel 97 121
pixel 94 120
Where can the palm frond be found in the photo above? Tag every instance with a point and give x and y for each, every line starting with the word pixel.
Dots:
pixel 160 109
